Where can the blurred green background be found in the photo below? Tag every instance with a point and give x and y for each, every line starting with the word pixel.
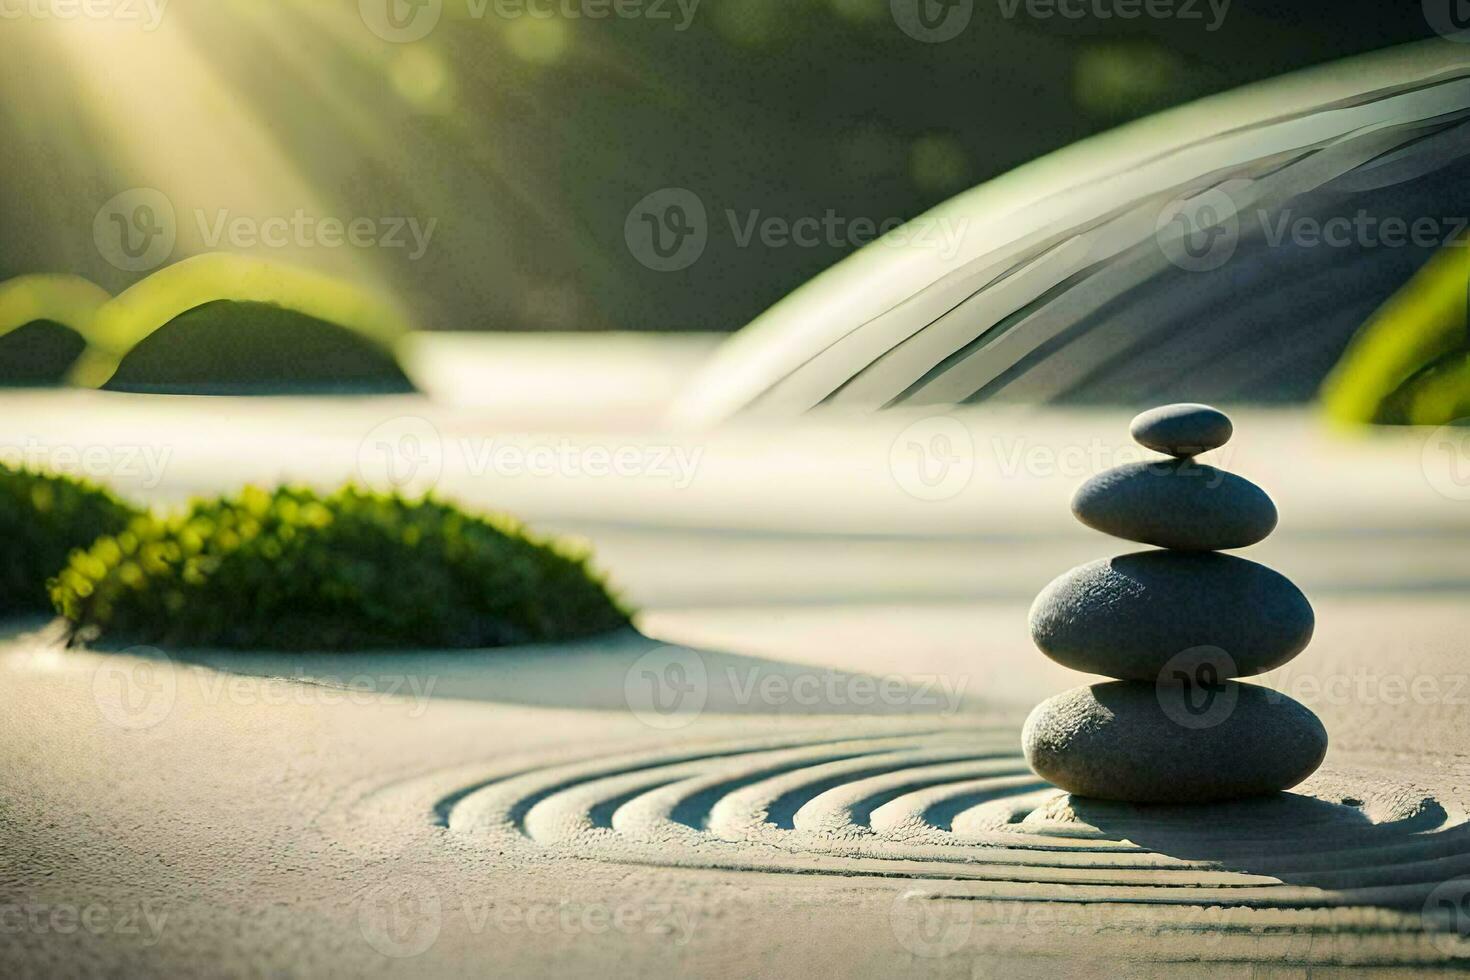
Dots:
pixel 491 163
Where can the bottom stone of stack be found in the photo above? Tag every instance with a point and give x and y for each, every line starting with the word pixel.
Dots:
pixel 1140 742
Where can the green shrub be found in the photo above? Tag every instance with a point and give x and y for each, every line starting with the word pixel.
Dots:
pixel 292 570
pixel 43 519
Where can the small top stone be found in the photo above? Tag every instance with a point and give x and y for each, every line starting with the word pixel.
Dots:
pixel 1182 430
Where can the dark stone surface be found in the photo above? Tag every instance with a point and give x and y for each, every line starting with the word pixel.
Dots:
pixel 245 348
pixel 1185 429
pixel 1129 616
pixel 38 354
pixel 1176 504
pixel 1124 740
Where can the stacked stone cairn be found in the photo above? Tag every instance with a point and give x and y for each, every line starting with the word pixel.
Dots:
pixel 1175 626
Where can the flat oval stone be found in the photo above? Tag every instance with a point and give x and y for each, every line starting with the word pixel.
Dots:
pixel 1176 503
pixel 1129 741
pixel 1185 429
pixel 1132 616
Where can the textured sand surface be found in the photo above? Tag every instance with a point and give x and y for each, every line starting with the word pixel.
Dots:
pixel 808 764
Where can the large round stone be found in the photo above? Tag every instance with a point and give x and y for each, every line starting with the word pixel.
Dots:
pixel 1134 616
pixel 1185 429
pixel 1176 504
pixel 1145 743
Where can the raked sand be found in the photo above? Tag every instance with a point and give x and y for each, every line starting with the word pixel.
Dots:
pixel 807 763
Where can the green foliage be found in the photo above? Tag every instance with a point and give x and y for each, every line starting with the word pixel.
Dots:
pixel 1438 394
pixel 42 520
pixel 292 570
pixel 1400 367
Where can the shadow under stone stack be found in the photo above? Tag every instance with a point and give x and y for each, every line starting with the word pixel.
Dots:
pixel 1174 626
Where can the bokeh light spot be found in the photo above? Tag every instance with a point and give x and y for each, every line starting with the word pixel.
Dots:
pixel 938 163
pixel 420 76
pixel 538 40
pixel 1124 78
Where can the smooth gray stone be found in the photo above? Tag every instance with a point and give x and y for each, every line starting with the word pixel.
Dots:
pixel 1117 741
pixel 1185 429
pixel 1129 616
pixel 1176 503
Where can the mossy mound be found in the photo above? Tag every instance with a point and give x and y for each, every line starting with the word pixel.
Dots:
pixel 292 570
pixel 39 353
pixel 246 348
pixel 44 518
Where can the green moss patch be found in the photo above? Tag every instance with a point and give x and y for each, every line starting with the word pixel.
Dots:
pixel 42 520
pixel 292 570
pixel 39 353
pixel 242 348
